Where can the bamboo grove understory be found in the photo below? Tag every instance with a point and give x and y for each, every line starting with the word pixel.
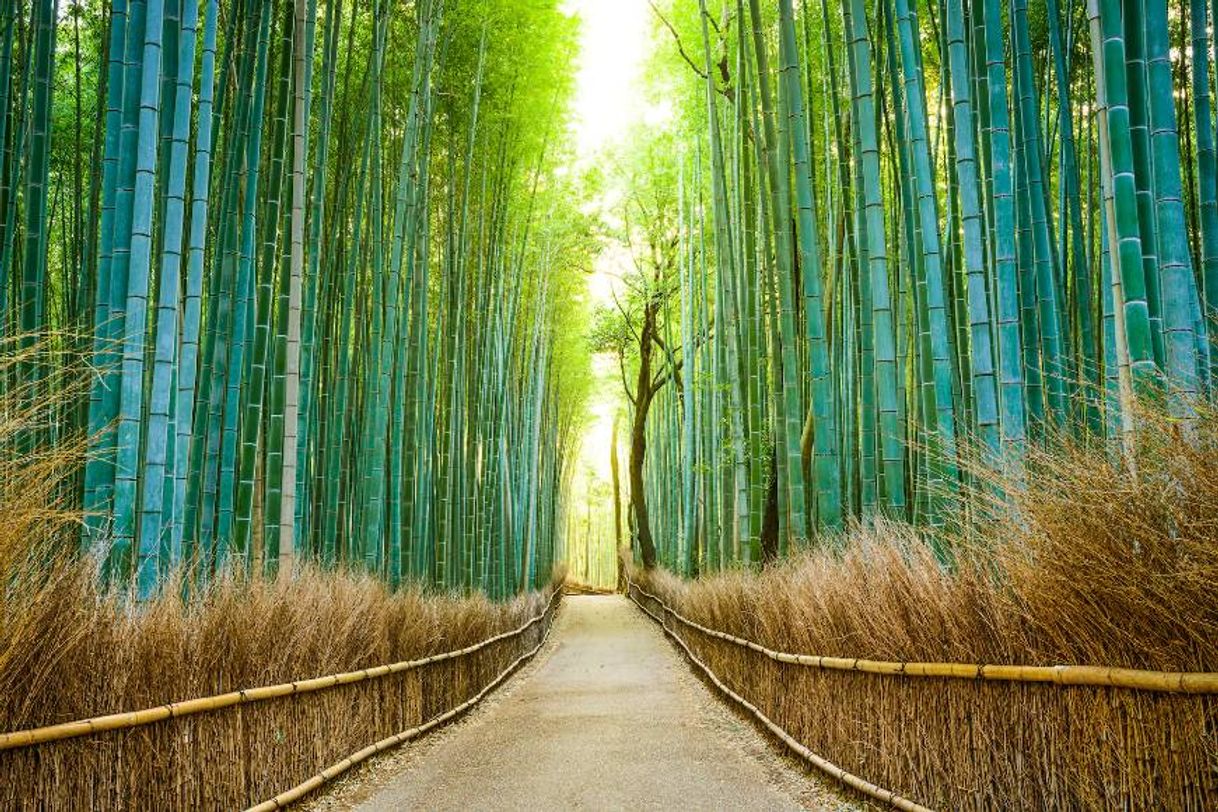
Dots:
pixel 316 256
pixel 901 245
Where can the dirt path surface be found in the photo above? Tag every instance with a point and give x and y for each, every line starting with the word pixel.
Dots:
pixel 608 717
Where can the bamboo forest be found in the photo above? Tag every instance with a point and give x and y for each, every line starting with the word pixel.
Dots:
pixel 794 404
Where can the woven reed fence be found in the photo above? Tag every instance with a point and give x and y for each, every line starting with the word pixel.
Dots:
pixel 959 736
pixel 267 745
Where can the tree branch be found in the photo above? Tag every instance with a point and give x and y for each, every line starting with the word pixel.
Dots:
pixel 677 38
pixel 621 366
pixel 625 316
pixel 672 373
pixel 726 91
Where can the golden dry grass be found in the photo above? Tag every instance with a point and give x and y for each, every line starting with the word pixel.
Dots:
pixel 67 652
pixel 1090 565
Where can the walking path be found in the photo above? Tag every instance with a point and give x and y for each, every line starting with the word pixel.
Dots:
pixel 608 717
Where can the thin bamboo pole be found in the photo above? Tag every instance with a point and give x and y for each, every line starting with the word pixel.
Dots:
pixel 305 787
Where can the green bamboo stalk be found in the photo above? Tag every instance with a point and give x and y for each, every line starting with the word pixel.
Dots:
pixel 774 146
pixel 824 408
pixel 131 403
pixel 1055 371
pixel 1004 279
pixel 244 323
pixel 286 542
pixel 981 355
pixel 158 456
pixel 1136 104
pixel 1175 270
pixel 1110 72
pixel 730 322
pixel 186 440
pixel 261 268
pixel 944 467
pixel 1207 164
pixel 35 194
pixel 1084 310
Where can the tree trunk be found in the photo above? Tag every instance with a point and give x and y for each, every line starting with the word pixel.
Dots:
pixel 638 436
pixel 617 504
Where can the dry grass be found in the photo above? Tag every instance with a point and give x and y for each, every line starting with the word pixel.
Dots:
pixel 1090 565
pixel 68 652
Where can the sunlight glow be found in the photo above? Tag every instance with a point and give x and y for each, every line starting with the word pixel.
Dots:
pixel 598 434
pixel 615 38
pixel 611 98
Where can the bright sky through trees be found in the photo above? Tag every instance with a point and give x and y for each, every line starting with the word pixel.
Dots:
pixel 615 36
pixel 611 97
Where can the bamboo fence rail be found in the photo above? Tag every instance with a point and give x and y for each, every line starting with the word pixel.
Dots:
pixel 146 716
pixel 853 781
pixel 1187 682
pixel 334 770
pixel 233 759
pixel 981 736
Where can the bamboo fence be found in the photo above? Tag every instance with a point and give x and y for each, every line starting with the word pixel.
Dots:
pixel 207 760
pixel 305 787
pixel 974 736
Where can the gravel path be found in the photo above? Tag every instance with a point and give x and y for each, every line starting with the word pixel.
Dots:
pixel 607 717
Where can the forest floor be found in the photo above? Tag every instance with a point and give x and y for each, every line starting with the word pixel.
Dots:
pixel 608 716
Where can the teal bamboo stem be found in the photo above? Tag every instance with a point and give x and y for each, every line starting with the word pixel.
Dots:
pixel 890 431
pixel 981 355
pixel 131 403
pixel 1136 313
pixel 944 466
pixel 775 147
pixel 1004 275
pixel 1175 267
pixel 824 407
